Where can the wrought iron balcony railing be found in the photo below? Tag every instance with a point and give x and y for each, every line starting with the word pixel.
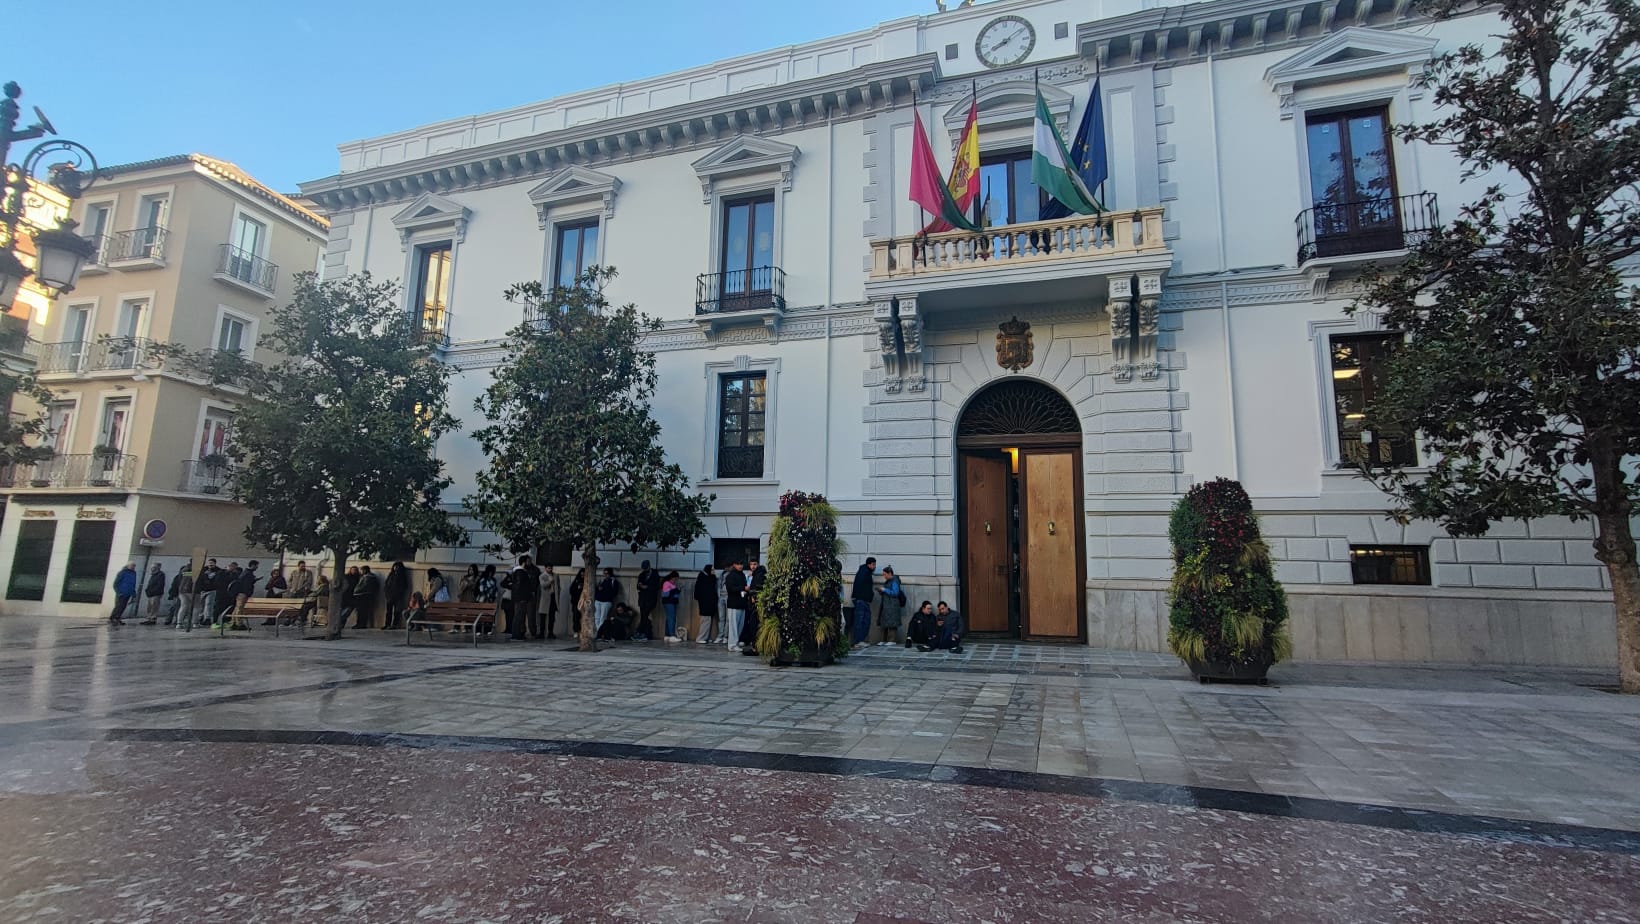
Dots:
pixel 1385 224
pixel 740 462
pixel 1078 238
pixel 99 258
pixel 137 244
pixel 82 356
pixel 235 265
pixel 761 288
pixel 205 477
pixel 14 335
pixel 89 470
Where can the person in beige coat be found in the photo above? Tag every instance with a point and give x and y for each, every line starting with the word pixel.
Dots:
pixel 548 605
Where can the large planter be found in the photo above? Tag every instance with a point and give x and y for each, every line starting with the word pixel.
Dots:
pixel 1232 671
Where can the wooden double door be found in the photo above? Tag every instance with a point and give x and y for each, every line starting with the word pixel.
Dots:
pixel 1021 535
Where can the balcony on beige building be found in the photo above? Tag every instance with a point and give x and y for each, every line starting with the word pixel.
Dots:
pixel 246 270
pixel 114 470
pixel 139 248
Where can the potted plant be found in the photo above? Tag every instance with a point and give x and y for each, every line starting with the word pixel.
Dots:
pixel 215 465
pixel 799 601
pixel 107 458
pixel 1227 613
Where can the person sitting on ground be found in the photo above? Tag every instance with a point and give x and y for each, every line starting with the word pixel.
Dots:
pixel 921 630
pixel 947 630
pixel 618 625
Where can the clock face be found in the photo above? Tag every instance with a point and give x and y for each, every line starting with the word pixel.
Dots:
pixel 1005 41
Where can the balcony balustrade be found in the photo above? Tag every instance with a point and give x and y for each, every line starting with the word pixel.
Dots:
pixel 98 261
pixel 761 288
pixel 1079 239
pixel 205 477
pixel 137 248
pixel 89 470
pixel 1363 226
pixel 78 357
pixel 246 270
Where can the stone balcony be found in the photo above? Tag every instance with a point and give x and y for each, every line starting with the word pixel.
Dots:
pixel 1031 262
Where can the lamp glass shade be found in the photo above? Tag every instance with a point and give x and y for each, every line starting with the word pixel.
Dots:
pixel 59 267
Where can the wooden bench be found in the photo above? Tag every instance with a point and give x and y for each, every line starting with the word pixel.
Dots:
pixel 456 617
pixel 276 608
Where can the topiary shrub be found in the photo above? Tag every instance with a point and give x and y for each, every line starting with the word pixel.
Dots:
pixel 799 601
pixel 1225 607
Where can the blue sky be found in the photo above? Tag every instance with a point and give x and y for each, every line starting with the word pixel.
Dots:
pixel 275 86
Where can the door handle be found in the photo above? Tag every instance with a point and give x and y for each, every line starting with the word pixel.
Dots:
pixel 987 527
pixel 1050 528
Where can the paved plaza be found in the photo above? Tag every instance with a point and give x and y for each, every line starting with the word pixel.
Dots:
pixel 148 775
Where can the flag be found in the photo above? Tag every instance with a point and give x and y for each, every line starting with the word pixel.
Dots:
pixel 963 183
pixel 1088 158
pixel 1050 169
pixel 927 189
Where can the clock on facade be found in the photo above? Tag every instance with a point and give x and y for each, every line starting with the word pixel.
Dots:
pixel 1005 41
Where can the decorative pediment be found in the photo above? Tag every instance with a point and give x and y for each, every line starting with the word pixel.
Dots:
pixel 1346 55
pixel 571 185
pixel 744 156
pixel 1009 103
pixel 431 212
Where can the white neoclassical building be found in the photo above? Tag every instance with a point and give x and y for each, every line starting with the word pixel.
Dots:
pixel 1004 417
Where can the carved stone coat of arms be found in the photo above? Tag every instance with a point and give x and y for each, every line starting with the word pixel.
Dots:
pixel 1014 345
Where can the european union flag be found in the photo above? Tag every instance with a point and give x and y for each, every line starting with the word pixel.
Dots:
pixel 1087 152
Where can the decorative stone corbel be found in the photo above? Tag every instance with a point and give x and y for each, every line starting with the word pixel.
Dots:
pixel 1121 326
pixel 887 328
pixel 911 364
pixel 1150 304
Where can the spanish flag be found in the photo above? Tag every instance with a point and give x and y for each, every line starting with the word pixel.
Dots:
pixel 928 191
pixel 964 181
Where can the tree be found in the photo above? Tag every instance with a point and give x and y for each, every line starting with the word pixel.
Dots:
pixel 20 432
pixel 1519 365
pixel 333 444
pixel 574 455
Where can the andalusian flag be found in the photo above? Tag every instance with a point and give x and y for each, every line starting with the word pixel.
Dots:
pixel 1050 165
pixel 927 189
pixel 964 181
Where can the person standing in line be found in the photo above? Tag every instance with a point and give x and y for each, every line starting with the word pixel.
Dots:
pixel 396 594
pixel 467 590
pixel 182 591
pixel 756 577
pixel 350 603
pixel 225 593
pixel 244 588
pixel 734 591
pixel 548 604
pixel 526 584
pixel 125 590
pixel 603 598
pixel 438 591
pixel 207 585
pixel 576 588
pixel 301 588
pixel 154 590
pixel 318 604
pixel 489 586
pixel 891 612
pixel 706 599
pixel 649 596
pixel 861 597
pixel 670 592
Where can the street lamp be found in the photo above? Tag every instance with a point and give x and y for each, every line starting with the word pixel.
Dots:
pixel 60 253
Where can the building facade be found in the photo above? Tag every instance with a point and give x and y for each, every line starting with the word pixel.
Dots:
pixel 191 251
pixel 1005 417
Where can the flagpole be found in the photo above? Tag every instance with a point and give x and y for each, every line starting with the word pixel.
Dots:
pixel 1100 90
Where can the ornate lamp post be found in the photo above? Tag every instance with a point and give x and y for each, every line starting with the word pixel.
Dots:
pixel 60 252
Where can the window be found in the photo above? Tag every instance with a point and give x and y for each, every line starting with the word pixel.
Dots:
pixel 87 573
pixel 77 334
pixel 213 433
pixel 748 253
pixel 1352 182
pixel 742 403
pixel 1358 373
pixel 245 249
pixel 1389 564
pixel 432 303
pixel 231 336
pixel 727 551
pixel 35 541
pixel 149 239
pixel 95 226
pixel 1007 196
pixel 60 418
pixel 126 351
pixel 115 428
pixel 576 249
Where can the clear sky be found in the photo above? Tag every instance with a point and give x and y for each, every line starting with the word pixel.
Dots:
pixel 275 85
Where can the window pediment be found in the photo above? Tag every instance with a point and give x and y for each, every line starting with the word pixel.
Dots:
pixel 745 156
pixel 571 185
pixel 1008 104
pixel 1348 55
pixel 431 212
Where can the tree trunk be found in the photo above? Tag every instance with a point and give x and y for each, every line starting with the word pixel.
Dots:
pixel 1614 547
pixel 338 597
pixel 589 633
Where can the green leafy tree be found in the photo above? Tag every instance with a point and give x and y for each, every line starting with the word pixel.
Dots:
pixel 574 455
pixel 333 444
pixel 1519 366
pixel 22 430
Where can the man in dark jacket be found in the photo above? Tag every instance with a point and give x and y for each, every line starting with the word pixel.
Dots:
pixel 526 595
pixel 182 592
pixel 396 591
pixel 364 598
pixel 861 596
pixel 603 599
pixel 947 630
pixel 125 591
pixel 756 577
pixel 734 600
pixel 576 587
pixel 207 585
pixel 649 597
pixel 154 590
pixel 225 591
pixel 243 588
pixel 706 601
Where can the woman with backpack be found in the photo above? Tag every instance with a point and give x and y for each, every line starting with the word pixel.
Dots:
pixel 891 612
pixel 670 592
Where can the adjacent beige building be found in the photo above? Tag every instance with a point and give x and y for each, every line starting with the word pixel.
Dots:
pixel 192 251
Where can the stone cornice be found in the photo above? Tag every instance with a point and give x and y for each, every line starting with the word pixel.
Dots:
pixel 1181 33
pixel 692 126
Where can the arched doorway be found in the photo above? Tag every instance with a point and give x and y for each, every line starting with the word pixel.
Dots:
pixel 1019 513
